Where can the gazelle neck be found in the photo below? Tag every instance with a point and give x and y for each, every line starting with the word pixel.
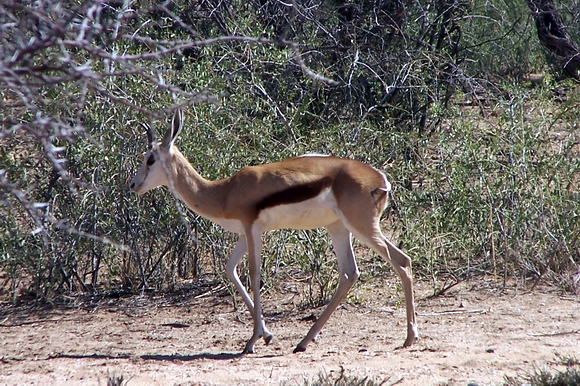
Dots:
pixel 198 193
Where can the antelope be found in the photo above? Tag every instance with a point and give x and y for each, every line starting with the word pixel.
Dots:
pixel 343 195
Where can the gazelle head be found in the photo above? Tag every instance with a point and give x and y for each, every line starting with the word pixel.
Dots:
pixel 158 158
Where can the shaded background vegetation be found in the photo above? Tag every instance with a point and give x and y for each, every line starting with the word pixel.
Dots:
pixel 483 157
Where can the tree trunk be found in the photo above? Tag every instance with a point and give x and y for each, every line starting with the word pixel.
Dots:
pixel 563 52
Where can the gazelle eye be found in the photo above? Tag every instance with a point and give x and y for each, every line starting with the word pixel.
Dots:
pixel 150 160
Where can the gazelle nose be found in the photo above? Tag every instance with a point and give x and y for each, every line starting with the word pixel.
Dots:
pixel 132 185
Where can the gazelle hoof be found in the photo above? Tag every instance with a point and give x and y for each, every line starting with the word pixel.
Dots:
pixel 299 349
pixel 248 350
pixel 409 341
pixel 268 338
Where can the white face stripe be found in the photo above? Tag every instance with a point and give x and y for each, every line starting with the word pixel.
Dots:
pixel 149 176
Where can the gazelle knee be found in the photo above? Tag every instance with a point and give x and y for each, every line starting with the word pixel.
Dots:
pixel 350 276
pixel 399 258
pixel 231 270
pixel 403 261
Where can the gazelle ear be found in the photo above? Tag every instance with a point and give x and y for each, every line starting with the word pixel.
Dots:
pixel 151 137
pixel 173 131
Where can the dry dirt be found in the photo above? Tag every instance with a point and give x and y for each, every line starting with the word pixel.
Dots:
pixel 476 332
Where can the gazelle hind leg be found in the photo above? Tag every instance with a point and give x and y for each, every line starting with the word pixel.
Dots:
pixel 341 241
pixel 231 271
pixel 402 265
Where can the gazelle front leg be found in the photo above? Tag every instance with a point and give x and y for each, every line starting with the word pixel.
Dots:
pixel 231 270
pixel 254 245
pixel 341 241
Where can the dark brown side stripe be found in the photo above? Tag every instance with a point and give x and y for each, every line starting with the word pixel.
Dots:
pixel 294 194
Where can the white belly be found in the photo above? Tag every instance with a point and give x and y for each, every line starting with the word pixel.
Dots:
pixel 313 213
pixel 234 226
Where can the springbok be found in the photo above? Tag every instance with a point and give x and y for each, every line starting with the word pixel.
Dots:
pixel 345 196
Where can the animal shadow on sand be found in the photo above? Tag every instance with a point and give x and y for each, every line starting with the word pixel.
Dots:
pixel 199 356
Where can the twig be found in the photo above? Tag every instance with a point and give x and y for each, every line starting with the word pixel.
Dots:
pixel 453 312
pixel 573 332
pixel 29 322
pixel 443 290
pixel 210 292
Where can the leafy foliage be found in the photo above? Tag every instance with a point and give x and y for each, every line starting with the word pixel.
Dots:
pixel 341 379
pixel 570 376
pixel 485 169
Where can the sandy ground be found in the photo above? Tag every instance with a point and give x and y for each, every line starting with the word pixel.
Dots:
pixel 475 332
